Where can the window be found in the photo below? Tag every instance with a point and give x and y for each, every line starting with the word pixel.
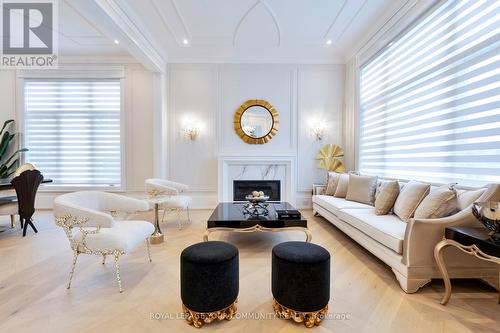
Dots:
pixel 72 130
pixel 430 100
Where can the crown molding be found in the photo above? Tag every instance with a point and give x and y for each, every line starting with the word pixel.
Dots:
pixel 116 22
pixel 135 35
pixel 115 60
pixel 397 18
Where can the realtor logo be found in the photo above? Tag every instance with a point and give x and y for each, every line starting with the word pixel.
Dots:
pixel 28 36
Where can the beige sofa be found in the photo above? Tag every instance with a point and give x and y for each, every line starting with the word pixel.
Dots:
pixel 408 247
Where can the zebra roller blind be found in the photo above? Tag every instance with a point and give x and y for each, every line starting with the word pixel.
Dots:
pixel 72 130
pixel 430 100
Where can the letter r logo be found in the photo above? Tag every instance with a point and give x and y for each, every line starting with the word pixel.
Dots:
pixel 27 27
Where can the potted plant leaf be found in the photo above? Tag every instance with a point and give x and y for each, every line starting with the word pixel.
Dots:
pixel 8 164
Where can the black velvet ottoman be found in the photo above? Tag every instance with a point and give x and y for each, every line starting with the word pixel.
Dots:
pixel 301 282
pixel 209 282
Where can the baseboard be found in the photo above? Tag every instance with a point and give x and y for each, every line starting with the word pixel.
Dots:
pixel 303 200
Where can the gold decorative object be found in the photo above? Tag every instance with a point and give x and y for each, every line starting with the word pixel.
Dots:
pixel 197 319
pixel 245 131
pixel 328 157
pixel 310 319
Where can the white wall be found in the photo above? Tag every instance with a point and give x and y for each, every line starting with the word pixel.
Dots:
pixel 139 127
pixel 138 104
pixel 209 94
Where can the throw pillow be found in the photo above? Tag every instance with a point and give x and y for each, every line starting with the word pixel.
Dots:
pixel 441 202
pixel 388 192
pixel 331 183
pixel 361 189
pixel 466 198
pixel 409 198
pixel 341 190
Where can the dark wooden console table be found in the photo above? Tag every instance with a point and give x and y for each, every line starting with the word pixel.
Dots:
pixel 473 241
pixel 4 186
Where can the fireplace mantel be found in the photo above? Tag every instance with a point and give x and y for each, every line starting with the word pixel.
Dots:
pixel 255 167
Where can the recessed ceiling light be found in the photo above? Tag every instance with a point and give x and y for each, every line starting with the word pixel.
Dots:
pixel 329 42
pixel 185 41
pixel 117 41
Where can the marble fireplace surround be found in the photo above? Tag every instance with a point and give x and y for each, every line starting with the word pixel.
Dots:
pixel 255 167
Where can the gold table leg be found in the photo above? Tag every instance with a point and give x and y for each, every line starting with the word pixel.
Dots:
pixel 259 228
pixel 438 255
pixel 157 236
pixel 469 249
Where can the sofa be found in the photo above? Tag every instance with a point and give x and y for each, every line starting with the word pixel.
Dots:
pixel 407 247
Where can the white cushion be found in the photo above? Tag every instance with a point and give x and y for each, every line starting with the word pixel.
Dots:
pixel 9 209
pixel 465 198
pixel 124 235
pixel 95 205
pixel 361 189
pixel 333 204
pixel 410 196
pixel 176 201
pixel 158 186
pixel 388 192
pixel 441 202
pixel 331 183
pixel 342 185
pixel 388 230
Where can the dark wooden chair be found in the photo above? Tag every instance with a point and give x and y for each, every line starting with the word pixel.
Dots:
pixel 26 186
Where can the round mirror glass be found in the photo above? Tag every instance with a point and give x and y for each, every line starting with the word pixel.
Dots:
pixel 256 121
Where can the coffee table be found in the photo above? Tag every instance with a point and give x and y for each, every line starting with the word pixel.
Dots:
pixel 230 216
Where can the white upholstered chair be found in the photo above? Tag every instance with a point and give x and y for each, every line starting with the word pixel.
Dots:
pixel 170 194
pixel 87 219
pixel 11 209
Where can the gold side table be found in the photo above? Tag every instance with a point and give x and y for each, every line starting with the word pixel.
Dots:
pixel 473 241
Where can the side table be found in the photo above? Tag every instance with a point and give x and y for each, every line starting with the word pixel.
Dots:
pixel 157 236
pixel 471 240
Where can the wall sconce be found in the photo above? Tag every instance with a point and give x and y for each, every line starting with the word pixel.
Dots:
pixel 191 131
pixel 318 130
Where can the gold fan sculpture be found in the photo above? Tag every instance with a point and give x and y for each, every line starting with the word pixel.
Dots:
pixel 328 157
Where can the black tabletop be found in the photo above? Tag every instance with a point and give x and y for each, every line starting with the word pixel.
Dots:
pixel 231 215
pixel 474 235
pixel 8 185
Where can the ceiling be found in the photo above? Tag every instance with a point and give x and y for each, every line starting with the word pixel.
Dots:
pixel 261 31
pixel 256 30
pixel 79 36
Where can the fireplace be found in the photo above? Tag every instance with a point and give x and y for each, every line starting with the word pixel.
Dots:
pixel 242 188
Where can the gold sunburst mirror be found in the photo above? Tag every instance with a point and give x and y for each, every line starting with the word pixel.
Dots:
pixel 256 121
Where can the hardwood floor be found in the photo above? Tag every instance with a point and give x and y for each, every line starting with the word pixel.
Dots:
pixel 365 294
